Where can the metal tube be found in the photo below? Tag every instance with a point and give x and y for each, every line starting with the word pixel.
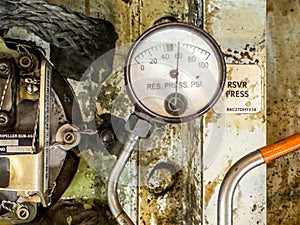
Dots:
pixel 113 200
pixel 231 180
pixel 281 148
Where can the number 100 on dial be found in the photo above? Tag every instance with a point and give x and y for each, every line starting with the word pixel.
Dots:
pixel 175 72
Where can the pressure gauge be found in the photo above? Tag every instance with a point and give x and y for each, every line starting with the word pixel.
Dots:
pixel 175 72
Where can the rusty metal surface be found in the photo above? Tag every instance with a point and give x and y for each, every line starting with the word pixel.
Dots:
pixel 282 106
pixel 239 27
pixel 283 109
pixel 167 147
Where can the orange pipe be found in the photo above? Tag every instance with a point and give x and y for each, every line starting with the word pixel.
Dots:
pixel 281 148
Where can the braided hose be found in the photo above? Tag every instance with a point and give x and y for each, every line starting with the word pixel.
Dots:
pixel 76 40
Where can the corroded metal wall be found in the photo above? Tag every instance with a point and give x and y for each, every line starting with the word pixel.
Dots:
pixel 169 147
pixel 239 27
pixel 283 108
pixel 132 17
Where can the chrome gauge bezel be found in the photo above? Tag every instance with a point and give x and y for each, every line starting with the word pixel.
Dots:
pixel 199 112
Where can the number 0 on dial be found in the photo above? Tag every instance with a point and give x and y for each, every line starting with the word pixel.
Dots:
pixel 175 72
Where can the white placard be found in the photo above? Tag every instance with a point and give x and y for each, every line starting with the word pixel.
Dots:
pixel 242 91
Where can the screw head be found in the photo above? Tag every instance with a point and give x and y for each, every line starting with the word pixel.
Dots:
pixel 3 118
pixel 4 68
pixel 23 213
pixel 69 137
pixel 108 138
pixel 25 61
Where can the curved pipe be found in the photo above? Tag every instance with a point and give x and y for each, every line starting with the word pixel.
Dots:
pixel 113 200
pixel 230 182
pixel 243 166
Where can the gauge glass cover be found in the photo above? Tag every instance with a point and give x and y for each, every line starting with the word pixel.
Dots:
pixel 175 72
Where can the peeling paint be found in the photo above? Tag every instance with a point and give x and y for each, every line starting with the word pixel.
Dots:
pixel 107 96
pixel 239 28
pixel 212 185
pixel 177 144
pixel 248 55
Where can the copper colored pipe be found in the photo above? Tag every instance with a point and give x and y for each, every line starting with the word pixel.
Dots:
pixel 281 148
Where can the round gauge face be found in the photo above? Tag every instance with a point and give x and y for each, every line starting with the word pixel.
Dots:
pixel 175 72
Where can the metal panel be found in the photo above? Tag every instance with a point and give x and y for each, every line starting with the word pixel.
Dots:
pixel 283 108
pixel 26 172
pixel 239 27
